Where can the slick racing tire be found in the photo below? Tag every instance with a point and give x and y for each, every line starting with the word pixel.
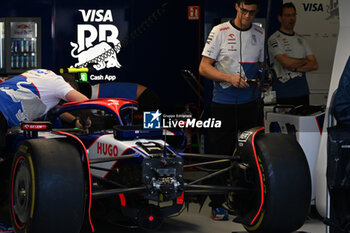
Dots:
pixel 47 187
pixel 5 169
pixel 286 182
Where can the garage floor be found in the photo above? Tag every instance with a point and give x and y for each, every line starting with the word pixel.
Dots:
pixel 193 222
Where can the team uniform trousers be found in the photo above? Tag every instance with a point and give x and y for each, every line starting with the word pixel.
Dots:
pixel 234 118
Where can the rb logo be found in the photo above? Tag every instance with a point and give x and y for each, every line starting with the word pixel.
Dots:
pixel 151 120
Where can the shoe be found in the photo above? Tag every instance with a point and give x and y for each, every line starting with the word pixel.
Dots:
pixel 219 214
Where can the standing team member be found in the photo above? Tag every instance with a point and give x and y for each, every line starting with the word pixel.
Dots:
pixel 231 56
pixel 290 57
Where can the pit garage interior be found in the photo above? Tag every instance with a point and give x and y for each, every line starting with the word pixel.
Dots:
pixel 160 45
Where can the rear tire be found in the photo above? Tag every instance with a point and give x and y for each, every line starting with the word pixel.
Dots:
pixel 47 187
pixel 287 185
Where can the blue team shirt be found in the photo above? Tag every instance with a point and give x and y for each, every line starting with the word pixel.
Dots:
pixel 235 52
pixel 289 83
pixel 293 88
pixel 13 94
pixel 233 95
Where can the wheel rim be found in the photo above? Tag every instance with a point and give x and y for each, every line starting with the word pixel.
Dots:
pixel 21 192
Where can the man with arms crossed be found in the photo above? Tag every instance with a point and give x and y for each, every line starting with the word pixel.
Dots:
pixel 291 57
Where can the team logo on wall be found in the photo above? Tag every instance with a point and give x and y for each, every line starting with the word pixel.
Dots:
pixel 331 9
pixel 96 46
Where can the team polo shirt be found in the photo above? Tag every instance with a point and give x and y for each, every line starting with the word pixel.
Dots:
pixel 30 95
pixel 288 84
pixel 235 51
pixel 114 90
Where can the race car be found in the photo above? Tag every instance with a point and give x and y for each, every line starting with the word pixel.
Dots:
pixel 58 173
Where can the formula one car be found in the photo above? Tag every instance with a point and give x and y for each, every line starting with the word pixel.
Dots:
pixel 58 172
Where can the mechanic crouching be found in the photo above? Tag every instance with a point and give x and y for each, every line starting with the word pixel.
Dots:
pixel 27 97
pixel 31 95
